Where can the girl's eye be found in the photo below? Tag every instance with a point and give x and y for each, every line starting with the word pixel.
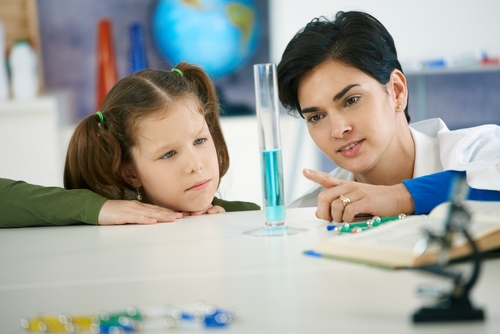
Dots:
pixel 352 100
pixel 200 141
pixel 314 118
pixel 168 155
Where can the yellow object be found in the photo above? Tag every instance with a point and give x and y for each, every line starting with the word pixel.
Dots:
pixel 58 324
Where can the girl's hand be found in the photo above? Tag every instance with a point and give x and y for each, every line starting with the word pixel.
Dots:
pixel 364 198
pixel 118 212
pixel 210 210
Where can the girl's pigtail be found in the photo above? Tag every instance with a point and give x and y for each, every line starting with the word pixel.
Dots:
pixel 94 158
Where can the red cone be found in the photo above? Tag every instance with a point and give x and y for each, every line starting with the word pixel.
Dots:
pixel 106 66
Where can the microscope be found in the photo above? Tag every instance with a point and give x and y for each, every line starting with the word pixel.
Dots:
pixel 453 305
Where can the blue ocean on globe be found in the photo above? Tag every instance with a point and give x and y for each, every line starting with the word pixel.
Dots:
pixel 217 35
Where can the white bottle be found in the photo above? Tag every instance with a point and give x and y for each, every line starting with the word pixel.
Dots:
pixel 23 70
pixel 4 82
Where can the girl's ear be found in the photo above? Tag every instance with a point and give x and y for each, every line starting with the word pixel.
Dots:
pixel 400 88
pixel 129 173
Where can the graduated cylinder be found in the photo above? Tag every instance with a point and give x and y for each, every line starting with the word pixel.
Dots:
pixel 266 97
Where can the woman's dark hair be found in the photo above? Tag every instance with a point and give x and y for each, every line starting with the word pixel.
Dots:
pixel 354 38
pixel 98 150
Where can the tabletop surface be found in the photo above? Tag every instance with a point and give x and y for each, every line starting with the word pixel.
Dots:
pixel 274 286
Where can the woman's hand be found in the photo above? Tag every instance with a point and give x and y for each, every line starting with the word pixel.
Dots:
pixel 364 198
pixel 118 212
pixel 210 210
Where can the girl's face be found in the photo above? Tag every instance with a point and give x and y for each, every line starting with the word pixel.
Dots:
pixel 175 161
pixel 351 117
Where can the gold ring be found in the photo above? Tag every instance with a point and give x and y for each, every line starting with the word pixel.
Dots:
pixel 345 200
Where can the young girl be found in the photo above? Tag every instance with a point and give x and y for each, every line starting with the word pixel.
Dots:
pixel 157 139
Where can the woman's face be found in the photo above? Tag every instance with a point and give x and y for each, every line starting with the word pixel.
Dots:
pixel 350 116
pixel 175 160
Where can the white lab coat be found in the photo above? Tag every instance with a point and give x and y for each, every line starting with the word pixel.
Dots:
pixel 475 150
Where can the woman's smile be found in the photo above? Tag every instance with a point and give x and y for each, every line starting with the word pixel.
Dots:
pixel 351 149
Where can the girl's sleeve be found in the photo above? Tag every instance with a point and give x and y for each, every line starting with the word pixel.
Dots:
pixel 235 205
pixel 431 190
pixel 23 204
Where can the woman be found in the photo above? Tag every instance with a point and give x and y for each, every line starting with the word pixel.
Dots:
pixel 345 80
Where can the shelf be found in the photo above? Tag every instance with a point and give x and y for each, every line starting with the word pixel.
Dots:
pixel 453 70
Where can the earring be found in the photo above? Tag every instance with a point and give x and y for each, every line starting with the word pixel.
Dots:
pixel 399 106
pixel 139 195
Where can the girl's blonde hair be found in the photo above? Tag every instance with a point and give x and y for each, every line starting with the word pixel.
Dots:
pixel 98 150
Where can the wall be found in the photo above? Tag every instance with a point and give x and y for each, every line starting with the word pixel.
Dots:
pixel 421 28
pixel 243 180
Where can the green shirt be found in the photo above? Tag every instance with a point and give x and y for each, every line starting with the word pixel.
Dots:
pixel 236 205
pixel 23 205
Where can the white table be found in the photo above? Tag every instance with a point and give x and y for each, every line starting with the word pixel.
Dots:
pixel 277 289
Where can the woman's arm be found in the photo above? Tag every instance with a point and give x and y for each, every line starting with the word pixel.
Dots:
pixel 416 196
pixel 431 190
pixel 363 198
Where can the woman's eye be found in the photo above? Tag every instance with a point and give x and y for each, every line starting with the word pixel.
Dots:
pixel 167 155
pixel 314 118
pixel 352 100
pixel 200 141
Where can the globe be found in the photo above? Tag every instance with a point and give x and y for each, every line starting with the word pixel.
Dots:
pixel 217 35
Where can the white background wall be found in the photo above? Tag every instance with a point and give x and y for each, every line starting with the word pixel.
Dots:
pixel 422 29
pixel 243 180
pixel 34 136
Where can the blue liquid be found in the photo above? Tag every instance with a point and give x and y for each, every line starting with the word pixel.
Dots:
pixel 272 187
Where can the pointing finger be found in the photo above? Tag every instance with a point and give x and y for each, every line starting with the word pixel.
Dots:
pixel 322 178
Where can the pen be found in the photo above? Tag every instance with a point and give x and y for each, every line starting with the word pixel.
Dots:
pixel 362 226
pixel 312 253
